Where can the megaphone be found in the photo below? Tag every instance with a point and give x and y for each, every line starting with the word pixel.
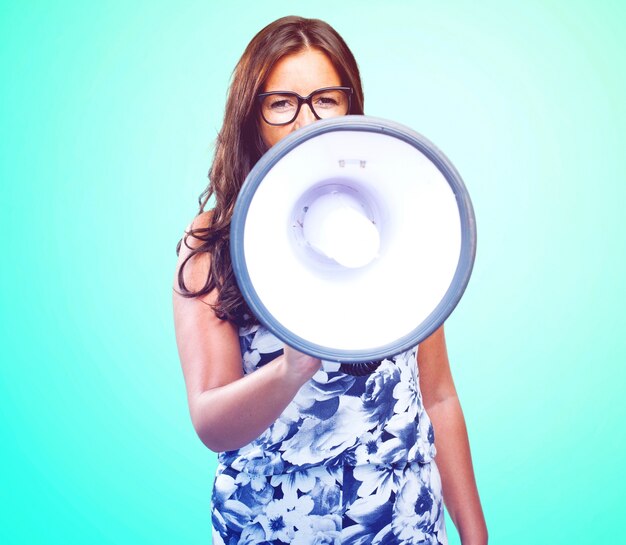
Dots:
pixel 353 239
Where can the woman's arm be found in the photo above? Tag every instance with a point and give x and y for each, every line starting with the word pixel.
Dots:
pixel 227 409
pixel 453 452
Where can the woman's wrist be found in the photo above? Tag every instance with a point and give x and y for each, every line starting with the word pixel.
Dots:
pixel 294 373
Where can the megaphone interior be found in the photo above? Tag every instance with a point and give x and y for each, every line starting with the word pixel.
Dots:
pixel 353 239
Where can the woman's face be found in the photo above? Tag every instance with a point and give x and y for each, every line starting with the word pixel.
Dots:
pixel 302 73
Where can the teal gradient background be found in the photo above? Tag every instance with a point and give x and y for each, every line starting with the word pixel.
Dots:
pixel 108 113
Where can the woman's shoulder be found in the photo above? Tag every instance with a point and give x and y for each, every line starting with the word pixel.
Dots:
pixel 201 221
pixel 194 261
pixel 194 234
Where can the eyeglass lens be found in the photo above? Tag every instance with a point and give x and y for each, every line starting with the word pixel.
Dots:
pixel 282 108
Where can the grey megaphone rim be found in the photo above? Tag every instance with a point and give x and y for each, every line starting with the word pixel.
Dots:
pixel 464 267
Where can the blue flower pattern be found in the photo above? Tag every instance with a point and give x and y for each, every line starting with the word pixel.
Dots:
pixel 350 460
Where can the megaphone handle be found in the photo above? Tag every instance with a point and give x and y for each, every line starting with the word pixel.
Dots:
pixel 360 369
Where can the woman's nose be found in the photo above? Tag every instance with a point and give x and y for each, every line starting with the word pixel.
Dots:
pixel 305 117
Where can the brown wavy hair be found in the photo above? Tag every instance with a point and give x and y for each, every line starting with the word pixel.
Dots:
pixel 239 146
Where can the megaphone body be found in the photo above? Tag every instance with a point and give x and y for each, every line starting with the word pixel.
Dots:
pixel 353 239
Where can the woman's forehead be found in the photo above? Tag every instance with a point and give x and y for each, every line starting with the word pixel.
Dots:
pixel 302 72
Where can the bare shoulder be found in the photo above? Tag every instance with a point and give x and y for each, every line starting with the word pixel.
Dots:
pixel 189 241
pixel 435 375
pixel 195 268
pixel 433 347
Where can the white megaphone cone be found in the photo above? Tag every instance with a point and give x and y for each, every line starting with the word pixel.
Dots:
pixel 353 239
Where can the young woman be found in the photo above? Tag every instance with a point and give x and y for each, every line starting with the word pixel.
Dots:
pixel 308 453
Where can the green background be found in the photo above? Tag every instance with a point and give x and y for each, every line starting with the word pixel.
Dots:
pixel 108 114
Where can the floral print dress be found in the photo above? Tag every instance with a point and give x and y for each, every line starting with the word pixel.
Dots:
pixel 350 460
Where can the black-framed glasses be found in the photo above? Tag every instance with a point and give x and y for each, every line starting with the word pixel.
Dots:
pixel 282 107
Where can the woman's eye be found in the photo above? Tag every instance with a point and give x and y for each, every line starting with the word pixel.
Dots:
pixel 281 104
pixel 327 101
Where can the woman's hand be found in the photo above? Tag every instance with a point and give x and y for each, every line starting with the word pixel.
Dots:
pixel 301 365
